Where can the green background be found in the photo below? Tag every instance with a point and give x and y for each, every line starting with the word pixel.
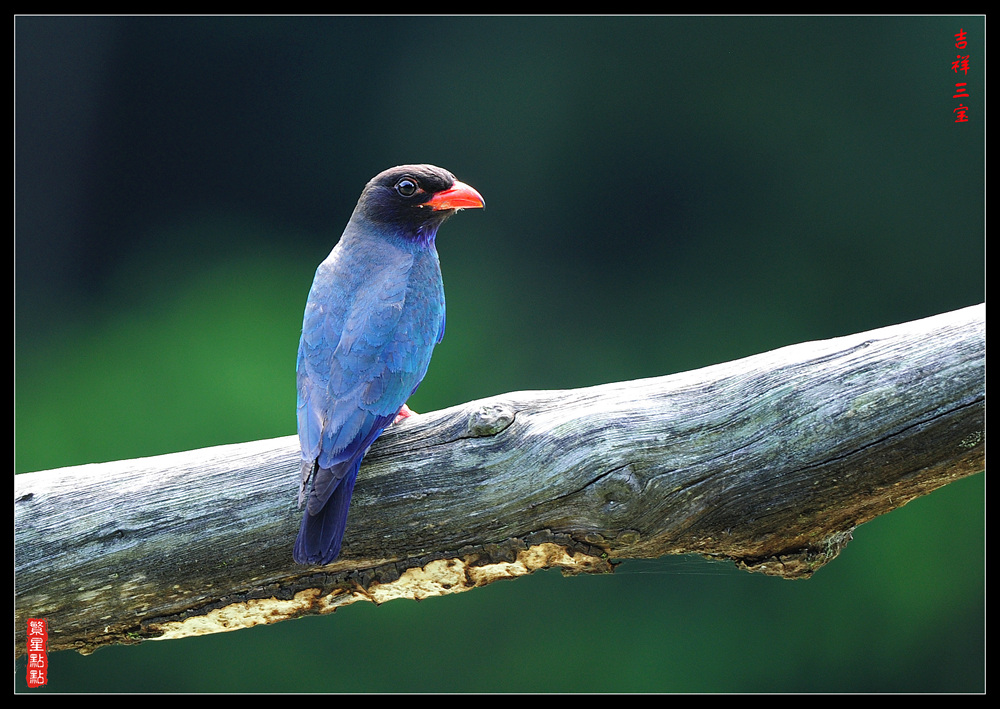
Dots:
pixel 663 193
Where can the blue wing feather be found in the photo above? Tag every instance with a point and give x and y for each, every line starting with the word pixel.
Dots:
pixel 370 325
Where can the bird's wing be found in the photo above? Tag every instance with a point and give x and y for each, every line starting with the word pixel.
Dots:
pixel 361 355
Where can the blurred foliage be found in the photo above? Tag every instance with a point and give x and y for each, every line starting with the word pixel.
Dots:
pixel 663 193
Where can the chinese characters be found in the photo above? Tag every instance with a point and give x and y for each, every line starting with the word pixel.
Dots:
pixel 38 661
pixel 961 64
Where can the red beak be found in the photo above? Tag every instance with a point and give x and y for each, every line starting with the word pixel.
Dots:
pixel 458 196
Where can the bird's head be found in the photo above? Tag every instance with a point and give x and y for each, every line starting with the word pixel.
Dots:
pixel 414 200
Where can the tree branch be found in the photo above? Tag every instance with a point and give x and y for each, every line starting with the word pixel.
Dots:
pixel 770 461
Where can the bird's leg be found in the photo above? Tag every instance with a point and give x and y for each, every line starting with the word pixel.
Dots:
pixel 405 412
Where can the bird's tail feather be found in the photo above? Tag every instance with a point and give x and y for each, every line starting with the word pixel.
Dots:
pixel 321 534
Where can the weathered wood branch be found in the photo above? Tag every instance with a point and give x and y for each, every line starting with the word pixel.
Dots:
pixel 770 461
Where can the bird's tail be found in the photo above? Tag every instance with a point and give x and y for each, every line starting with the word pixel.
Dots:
pixel 322 532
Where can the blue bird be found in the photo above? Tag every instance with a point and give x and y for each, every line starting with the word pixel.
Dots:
pixel 374 314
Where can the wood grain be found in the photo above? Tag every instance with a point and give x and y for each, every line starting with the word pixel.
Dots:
pixel 770 461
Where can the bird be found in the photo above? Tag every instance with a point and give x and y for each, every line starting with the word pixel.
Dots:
pixel 374 313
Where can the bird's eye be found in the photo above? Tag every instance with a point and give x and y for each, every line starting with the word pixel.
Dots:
pixel 406 187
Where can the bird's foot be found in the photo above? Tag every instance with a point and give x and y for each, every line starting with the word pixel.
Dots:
pixel 404 413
